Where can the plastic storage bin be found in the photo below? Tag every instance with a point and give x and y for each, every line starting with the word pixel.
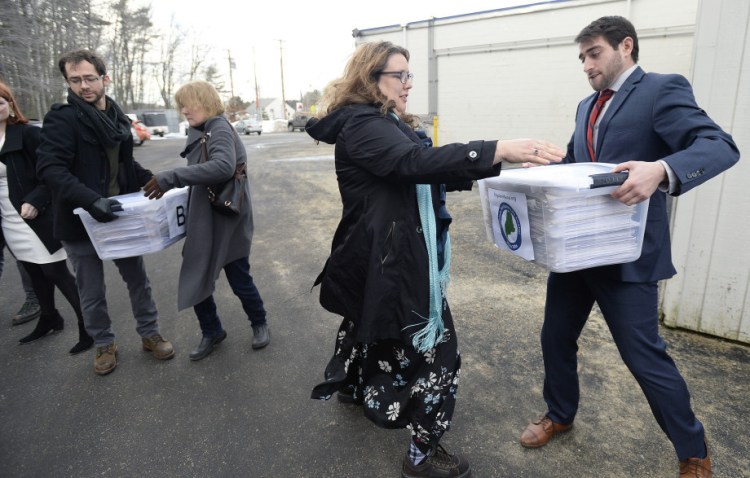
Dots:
pixel 143 226
pixel 572 224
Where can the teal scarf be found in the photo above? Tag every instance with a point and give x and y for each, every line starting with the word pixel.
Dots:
pixel 433 331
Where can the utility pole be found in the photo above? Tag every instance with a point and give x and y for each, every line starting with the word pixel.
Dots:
pixel 258 114
pixel 231 78
pixel 283 95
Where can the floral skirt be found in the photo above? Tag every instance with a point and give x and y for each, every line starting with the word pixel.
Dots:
pixel 397 386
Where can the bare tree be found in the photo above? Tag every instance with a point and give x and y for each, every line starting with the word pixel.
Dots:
pixel 56 26
pixel 165 68
pixel 130 37
pixel 126 40
pixel 198 53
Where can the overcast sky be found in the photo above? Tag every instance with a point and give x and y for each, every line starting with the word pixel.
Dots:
pixel 316 35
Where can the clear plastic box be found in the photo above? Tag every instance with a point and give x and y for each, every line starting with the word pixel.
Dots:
pixel 143 226
pixel 571 225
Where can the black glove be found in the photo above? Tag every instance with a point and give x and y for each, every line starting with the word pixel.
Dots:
pixel 102 209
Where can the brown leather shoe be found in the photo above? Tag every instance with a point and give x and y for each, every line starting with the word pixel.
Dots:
pixel 540 432
pixel 105 359
pixel 161 348
pixel 697 467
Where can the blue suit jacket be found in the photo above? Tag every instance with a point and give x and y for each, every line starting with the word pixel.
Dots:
pixel 654 117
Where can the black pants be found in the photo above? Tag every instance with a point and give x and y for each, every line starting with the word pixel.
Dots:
pixel 44 278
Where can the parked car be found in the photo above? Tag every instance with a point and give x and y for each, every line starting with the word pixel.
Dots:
pixel 298 122
pixel 247 126
pixel 156 122
pixel 141 132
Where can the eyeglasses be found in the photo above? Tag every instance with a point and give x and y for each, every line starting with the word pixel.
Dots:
pixel 90 80
pixel 403 76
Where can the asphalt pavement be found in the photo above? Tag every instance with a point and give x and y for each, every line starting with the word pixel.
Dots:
pixel 245 413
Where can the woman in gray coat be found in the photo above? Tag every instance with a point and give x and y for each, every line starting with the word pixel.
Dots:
pixel 214 241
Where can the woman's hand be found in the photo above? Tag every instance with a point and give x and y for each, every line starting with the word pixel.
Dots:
pixel 528 152
pixel 152 190
pixel 28 211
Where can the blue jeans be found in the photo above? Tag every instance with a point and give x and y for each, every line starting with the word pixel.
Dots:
pixel 241 282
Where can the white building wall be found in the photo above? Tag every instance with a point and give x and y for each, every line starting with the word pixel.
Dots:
pixel 710 236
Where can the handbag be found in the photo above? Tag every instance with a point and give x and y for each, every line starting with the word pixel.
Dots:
pixel 226 198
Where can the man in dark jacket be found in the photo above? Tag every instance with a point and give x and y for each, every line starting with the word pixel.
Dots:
pixel 86 156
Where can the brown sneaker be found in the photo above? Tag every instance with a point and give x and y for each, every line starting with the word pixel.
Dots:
pixel 540 432
pixel 161 348
pixel 697 467
pixel 105 359
pixel 440 464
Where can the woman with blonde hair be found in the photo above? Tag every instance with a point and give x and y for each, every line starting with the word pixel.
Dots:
pixel 387 275
pixel 214 240
pixel 27 223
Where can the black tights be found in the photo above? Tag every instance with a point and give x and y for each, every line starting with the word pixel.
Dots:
pixel 44 278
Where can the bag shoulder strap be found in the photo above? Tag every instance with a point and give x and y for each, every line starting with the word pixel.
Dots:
pixel 204 148
pixel 239 170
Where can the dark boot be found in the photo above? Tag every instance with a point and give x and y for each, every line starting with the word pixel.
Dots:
pixel 440 464
pixel 207 346
pixel 47 323
pixel 85 341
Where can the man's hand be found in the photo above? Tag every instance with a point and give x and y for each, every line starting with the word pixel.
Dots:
pixel 152 190
pixel 102 209
pixel 28 211
pixel 643 179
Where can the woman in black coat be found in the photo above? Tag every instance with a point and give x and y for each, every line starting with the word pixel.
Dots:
pixel 396 350
pixel 27 222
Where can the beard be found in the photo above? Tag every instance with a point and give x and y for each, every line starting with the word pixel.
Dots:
pixel 98 95
pixel 609 74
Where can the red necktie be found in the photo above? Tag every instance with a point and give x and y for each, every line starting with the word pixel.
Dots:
pixel 604 96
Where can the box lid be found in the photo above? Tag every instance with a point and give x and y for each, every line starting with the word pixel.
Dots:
pixel 574 176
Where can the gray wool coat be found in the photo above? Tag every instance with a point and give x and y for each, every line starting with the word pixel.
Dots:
pixel 213 239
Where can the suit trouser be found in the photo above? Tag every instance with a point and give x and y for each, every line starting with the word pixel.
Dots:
pixel 89 271
pixel 631 313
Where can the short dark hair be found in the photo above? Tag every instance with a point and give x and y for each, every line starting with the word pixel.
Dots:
pixel 78 56
pixel 614 29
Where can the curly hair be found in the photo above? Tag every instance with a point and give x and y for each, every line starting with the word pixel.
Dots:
pixel 359 84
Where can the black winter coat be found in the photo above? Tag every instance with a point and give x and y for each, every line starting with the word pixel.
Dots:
pixel 377 274
pixel 72 162
pixel 19 156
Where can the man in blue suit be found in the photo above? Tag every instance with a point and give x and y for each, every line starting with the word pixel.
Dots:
pixel 649 125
